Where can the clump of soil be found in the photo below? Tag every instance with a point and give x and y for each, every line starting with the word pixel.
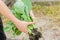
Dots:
pixel 35 35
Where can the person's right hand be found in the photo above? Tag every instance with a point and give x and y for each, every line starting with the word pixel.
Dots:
pixel 22 25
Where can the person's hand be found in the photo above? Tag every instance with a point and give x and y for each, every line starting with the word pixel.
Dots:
pixel 22 25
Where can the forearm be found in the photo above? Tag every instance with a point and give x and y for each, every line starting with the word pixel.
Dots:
pixel 4 10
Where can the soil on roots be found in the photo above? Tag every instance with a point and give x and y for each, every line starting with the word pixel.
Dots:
pixel 36 35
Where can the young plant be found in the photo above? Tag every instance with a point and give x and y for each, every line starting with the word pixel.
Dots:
pixel 21 10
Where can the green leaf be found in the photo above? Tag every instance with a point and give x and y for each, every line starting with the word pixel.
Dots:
pixel 28 3
pixel 7 28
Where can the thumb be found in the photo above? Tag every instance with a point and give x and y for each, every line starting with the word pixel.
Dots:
pixel 30 23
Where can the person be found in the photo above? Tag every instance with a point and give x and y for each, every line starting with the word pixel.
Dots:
pixel 21 25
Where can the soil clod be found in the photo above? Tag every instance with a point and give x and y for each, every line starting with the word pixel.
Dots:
pixel 36 35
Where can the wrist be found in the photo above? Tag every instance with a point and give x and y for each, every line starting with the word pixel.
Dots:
pixel 15 21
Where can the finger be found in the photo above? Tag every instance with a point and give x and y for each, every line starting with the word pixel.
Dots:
pixel 25 31
pixel 30 23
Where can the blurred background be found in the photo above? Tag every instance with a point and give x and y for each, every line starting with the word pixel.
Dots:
pixel 47 14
